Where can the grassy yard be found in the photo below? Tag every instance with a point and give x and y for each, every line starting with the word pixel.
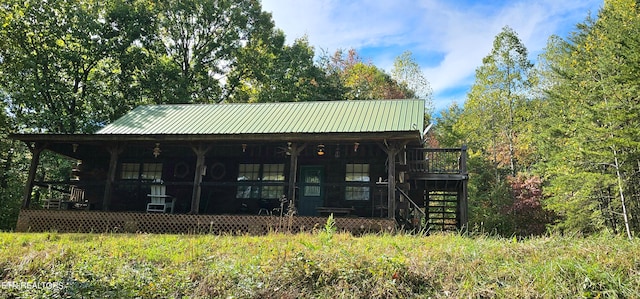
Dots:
pixel 320 265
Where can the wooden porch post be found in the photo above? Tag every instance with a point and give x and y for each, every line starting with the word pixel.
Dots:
pixel 35 150
pixel 200 152
pixel 114 153
pixel 392 152
pixel 293 170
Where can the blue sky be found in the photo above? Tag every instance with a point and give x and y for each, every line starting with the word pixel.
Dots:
pixel 448 38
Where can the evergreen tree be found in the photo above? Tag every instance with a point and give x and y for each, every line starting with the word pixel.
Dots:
pixel 596 121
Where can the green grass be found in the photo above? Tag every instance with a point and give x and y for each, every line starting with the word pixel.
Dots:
pixel 320 265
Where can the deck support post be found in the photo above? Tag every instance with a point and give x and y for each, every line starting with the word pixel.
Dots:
pixel 35 150
pixel 200 152
pixel 463 209
pixel 114 153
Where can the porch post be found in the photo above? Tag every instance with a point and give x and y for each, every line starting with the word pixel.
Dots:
pixel 200 152
pixel 114 153
pixel 293 170
pixel 35 150
pixel 402 157
pixel 391 177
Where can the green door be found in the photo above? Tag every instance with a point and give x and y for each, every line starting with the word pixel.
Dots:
pixel 311 190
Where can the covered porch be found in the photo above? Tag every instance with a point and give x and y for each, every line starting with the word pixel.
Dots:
pixel 345 178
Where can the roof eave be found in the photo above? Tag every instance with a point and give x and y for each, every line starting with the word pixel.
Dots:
pixel 290 137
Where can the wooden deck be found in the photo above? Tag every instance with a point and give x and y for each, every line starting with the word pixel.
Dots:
pixel 132 222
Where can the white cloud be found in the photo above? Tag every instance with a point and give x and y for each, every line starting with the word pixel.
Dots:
pixel 459 33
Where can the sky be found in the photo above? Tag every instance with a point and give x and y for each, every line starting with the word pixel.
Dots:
pixel 448 38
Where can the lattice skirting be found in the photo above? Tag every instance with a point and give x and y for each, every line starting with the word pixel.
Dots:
pixel 129 222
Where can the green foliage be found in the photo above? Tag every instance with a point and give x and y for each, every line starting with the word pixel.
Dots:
pixel 365 81
pixel 407 73
pixel 445 132
pixel 491 119
pixel 284 265
pixel 591 159
pixel 495 123
pixel 12 175
pixel 273 72
pixel 50 55
pixel 489 198
pixel 199 43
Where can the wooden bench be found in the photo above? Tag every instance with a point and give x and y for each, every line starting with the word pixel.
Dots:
pixel 326 211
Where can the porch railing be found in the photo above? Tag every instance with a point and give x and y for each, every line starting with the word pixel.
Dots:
pixel 437 160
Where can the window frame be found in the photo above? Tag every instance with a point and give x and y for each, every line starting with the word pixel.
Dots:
pixel 141 171
pixel 265 183
pixel 357 177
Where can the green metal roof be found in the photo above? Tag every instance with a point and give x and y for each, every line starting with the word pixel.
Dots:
pixel 273 118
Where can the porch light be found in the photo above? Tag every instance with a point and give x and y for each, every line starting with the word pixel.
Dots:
pixel 288 151
pixel 244 147
pixel 337 153
pixel 355 146
pixel 320 149
pixel 156 150
pixel 75 147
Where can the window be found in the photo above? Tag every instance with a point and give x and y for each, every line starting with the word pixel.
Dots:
pixel 272 173
pixel 359 175
pixel 150 171
pixel 260 181
pixel 130 171
pixel 249 172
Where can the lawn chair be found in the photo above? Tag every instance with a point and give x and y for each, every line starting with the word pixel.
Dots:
pixel 160 201
pixel 51 203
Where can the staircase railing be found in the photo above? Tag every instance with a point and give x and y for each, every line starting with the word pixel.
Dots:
pixel 412 208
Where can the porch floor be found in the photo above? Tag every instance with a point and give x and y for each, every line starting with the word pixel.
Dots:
pixel 70 221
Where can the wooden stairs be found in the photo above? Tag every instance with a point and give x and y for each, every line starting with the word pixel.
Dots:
pixel 434 197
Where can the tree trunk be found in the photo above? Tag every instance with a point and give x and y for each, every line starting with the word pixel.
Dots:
pixel 621 191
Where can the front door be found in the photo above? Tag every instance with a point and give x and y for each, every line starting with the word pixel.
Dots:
pixel 311 190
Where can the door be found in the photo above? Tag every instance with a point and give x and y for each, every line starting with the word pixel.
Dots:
pixel 311 190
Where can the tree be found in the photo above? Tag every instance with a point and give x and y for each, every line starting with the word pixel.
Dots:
pixel 11 176
pixel 445 131
pixel 198 47
pixel 270 71
pixel 500 90
pixel 494 123
pixel 49 53
pixel 597 96
pixel 360 80
pixel 407 73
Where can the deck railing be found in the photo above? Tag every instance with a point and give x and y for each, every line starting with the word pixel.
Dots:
pixel 437 160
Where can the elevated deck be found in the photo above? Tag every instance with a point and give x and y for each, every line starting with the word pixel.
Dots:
pixel 437 190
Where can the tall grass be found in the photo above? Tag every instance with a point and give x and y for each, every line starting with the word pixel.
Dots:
pixel 325 264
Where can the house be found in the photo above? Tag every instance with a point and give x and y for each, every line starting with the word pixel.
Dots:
pixel 235 165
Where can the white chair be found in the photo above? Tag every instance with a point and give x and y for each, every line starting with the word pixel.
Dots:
pixel 160 201
pixel 76 198
pixel 51 203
